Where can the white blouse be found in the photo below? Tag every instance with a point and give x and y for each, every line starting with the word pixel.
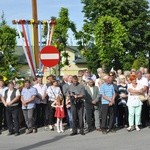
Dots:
pixel 53 92
pixel 133 100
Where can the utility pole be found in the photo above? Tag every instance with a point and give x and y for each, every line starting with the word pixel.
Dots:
pixel 35 32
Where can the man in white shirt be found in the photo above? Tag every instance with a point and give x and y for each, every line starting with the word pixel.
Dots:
pixel 41 103
pixel 144 82
pixel 11 101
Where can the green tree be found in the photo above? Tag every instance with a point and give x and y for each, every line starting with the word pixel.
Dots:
pixel 134 16
pixel 8 61
pixel 60 36
pixel 140 61
pixel 109 37
pixel 87 47
pixel 3 21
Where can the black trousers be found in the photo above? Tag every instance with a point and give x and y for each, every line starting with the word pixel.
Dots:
pixel 12 117
pixel 51 113
pixel 122 115
pixel 77 116
pixel 107 111
pixel 41 115
pixel 144 114
pixel 2 116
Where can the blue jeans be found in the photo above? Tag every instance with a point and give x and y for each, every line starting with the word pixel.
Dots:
pixel 69 112
pixel 29 116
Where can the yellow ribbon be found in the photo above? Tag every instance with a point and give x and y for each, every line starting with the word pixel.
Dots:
pixel 32 37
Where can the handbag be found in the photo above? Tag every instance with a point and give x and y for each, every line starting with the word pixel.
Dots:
pixel 148 101
pixel 143 98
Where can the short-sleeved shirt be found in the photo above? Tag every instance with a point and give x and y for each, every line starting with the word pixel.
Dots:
pixel 2 91
pixel 107 90
pixel 53 92
pixel 41 89
pixel 28 93
pixel 143 81
pixel 77 89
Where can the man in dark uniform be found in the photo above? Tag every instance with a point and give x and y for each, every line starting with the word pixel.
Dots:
pixel 77 92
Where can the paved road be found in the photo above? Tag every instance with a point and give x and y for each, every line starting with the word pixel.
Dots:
pixel 51 140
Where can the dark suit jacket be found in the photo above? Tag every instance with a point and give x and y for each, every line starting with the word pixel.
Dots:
pixel 89 97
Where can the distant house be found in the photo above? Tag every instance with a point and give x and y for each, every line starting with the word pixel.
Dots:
pixel 24 70
pixel 76 62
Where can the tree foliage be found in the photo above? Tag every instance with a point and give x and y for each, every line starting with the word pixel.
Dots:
pixel 133 15
pixel 140 61
pixel 109 37
pixel 3 21
pixel 8 61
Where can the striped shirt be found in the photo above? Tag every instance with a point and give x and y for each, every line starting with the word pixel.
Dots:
pixel 107 90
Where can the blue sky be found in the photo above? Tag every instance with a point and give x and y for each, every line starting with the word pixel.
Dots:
pixel 22 9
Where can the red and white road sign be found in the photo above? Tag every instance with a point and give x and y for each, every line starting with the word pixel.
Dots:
pixel 49 56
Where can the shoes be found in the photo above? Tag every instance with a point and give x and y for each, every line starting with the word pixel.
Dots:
pixel 18 133
pixel 10 133
pixel 104 131
pixel 34 130
pixel 120 127
pixel 89 130
pixel 98 129
pixel 82 132
pixel 73 133
pixel 111 130
pixel 58 131
pixel 62 131
pixel 51 127
pixel 130 129
pixel 29 131
pixel 70 129
pixel 45 128
pixel 137 128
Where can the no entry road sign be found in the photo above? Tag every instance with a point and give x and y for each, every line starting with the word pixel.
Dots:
pixel 49 56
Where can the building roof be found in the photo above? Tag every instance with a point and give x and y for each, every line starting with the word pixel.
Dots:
pixel 79 59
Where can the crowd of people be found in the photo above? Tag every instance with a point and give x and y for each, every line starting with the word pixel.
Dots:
pixel 85 102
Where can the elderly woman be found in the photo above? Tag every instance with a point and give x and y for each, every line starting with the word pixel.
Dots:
pixel 122 102
pixel 134 104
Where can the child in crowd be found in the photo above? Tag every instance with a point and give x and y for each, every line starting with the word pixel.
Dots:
pixel 59 113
